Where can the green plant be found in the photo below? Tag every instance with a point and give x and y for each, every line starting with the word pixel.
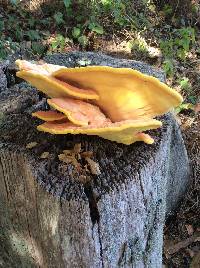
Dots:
pixel 1 25
pixel 95 27
pixel 76 32
pixel 140 44
pixel 33 35
pixel 193 99
pixel 92 16
pixel 185 84
pixel 46 22
pixel 167 9
pixel 67 3
pixel 18 34
pixel 187 87
pixel 3 50
pixel 7 46
pixel 83 40
pixel 166 47
pixel 59 42
pixel 14 2
pixel 168 67
pixel 179 43
pixel 184 106
pixel 176 47
pixel 38 48
pixel 186 37
pixel 58 18
pixel 32 22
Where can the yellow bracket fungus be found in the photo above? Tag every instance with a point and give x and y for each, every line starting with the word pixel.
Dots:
pixel 78 112
pixel 114 103
pixel 40 76
pixel 49 115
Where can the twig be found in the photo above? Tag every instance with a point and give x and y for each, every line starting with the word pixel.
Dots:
pixel 183 244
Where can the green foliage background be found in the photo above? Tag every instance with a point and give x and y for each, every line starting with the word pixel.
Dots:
pixel 58 25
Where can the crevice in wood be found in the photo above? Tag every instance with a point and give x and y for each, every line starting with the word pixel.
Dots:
pixel 61 195
pixel 142 189
pixel 151 232
pixel 101 247
pixel 94 212
pixel 122 255
pixel 12 79
pixel 5 182
pixel 28 223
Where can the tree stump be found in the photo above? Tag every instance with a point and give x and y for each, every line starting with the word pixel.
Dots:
pixel 55 215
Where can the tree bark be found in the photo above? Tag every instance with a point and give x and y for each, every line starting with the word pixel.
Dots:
pixel 51 217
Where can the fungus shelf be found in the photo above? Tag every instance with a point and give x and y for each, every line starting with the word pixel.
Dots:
pixel 83 201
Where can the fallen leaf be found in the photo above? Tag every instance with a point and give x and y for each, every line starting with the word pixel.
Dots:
pixel 86 168
pixel 77 148
pixel 189 229
pixel 65 158
pixel 68 152
pixel 84 179
pixel 44 155
pixel 31 145
pixel 87 154
pixel 183 244
pixel 68 159
pixel 94 167
pixel 167 244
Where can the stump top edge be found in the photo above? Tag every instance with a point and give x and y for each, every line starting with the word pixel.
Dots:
pixel 116 161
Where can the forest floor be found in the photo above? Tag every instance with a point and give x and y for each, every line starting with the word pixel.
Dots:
pixel 165 41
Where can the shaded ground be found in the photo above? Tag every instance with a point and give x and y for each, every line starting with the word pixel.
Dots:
pixel 162 37
pixel 182 230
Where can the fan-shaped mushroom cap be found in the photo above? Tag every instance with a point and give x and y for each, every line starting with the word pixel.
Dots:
pixel 128 100
pixel 123 93
pixel 126 132
pixel 49 115
pixel 79 112
pixel 40 76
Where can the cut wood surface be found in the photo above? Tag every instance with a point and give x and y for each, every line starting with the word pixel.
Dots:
pixel 58 214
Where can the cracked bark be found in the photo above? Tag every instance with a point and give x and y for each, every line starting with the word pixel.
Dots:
pixel 49 218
